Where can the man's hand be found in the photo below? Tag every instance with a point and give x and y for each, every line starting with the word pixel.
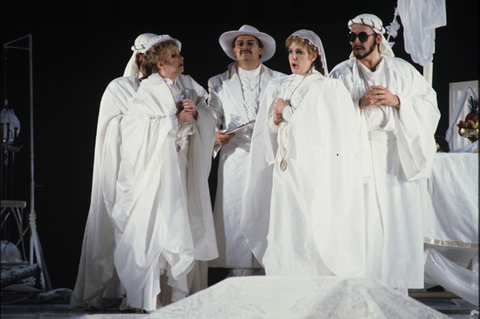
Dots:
pixel 223 139
pixel 378 95
pixel 278 108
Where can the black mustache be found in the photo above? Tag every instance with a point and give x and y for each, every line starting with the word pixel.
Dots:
pixel 245 51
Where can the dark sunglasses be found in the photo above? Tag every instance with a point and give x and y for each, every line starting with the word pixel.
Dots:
pixel 362 36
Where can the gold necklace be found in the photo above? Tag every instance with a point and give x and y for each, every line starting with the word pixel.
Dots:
pixel 284 128
pixel 178 139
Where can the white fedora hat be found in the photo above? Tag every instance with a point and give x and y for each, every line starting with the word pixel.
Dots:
pixel 226 41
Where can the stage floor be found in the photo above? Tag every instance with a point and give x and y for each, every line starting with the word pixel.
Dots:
pixel 445 306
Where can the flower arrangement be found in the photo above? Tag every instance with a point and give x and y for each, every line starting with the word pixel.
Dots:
pixel 469 127
pixel 471 120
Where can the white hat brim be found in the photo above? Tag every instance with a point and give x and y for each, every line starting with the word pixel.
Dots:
pixel 226 40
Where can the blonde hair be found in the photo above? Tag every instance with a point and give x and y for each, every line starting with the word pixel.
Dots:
pixel 157 53
pixel 311 49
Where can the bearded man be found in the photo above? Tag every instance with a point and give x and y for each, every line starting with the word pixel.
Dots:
pixel 399 116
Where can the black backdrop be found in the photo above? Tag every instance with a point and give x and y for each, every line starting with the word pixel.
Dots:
pixel 80 46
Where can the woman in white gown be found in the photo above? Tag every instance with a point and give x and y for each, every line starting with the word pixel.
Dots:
pixel 304 186
pixel 163 215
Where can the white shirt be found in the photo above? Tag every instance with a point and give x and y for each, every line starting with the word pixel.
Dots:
pixel 250 80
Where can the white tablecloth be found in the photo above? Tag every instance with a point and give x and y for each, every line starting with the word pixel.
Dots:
pixel 297 297
pixel 451 227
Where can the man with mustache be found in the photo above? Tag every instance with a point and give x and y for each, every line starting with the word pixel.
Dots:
pixel 399 115
pixel 234 97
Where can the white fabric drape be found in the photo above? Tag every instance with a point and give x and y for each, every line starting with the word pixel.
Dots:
pixel 451 228
pixel 227 101
pixel 402 149
pixel 313 213
pixel 440 270
pixel 163 223
pixel 97 279
pixel 419 20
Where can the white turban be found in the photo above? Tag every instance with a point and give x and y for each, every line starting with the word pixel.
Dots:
pixel 314 40
pixel 139 46
pixel 376 24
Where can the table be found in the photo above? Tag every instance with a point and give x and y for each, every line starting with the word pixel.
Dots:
pixel 451 226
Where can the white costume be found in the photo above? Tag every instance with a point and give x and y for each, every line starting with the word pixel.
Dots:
pixel 402 148
pixel 304 184
pixel 163 213
pixel 97 279
pixel 315 225
pixel 234 97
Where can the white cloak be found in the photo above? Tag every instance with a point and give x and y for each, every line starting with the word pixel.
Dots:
pixel 402 148
pixel 97 278
pixel 226 100
pixel 163 215
pixel 313 213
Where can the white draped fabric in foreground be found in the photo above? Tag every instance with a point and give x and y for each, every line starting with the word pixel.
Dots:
pixel 297 298
pixel 316 216
pixel 451 228
pixel 163 215
pixel 97 279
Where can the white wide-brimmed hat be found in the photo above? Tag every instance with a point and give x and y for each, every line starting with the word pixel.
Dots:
pixel 226 41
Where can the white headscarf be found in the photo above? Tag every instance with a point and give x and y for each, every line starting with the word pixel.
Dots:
pixel 161 38
pixel 139 46
pixel 376 24
pixel 314 40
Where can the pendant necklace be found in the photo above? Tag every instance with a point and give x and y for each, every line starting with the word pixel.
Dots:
pixel 283 130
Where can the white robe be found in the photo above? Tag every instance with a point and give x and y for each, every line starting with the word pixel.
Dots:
pixel 97 279
pixel 402 148
pixel 226 100
pixel 313 213
pixel 163 215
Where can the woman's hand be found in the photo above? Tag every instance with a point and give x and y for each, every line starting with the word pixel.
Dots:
pixel 190 106
pixel 278 107
pixel 189 111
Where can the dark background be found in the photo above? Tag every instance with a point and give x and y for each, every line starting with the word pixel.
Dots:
pixel 80 46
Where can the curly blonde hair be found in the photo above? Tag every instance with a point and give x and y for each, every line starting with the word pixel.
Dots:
pixel 311 49
pixel 157 53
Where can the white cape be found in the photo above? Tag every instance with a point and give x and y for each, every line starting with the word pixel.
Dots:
pixel 402 149
pixel 97 279
pixel 162 224
pixel 321 192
